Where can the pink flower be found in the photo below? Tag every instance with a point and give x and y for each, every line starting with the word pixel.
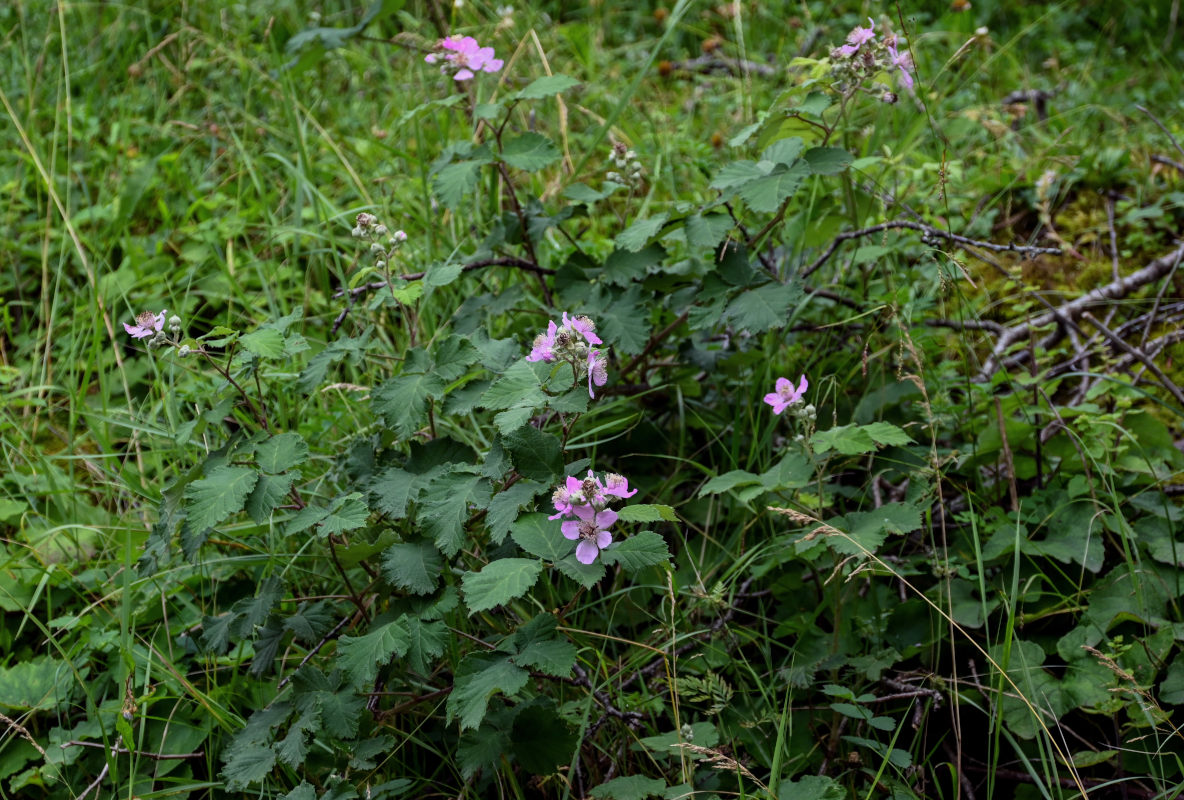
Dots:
pixel 618 486
pixel 466 56
pixel 597 371
pixel 856 38
pixel 591 530
pixel 903 61
pixel 786 395
pixel 147 324
pixel 583 326
pixel 544 345
pixel 566 498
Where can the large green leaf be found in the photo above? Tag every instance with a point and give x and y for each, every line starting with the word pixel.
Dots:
pixel 768 306
pixel 542 740
pixel 212 499
pixel 403 400
pixel 545 87
pixel 39 684
pixel 536 455
pixel 247 764
pixel 530 152
pixel 361 656
pixel 480 679
pixel 638 235
pixel 414 566
pixel 647 513
pixel 444 507
pixel 642 550
pixel 868 529
pixel 540 537
pixel 629 787
pixel 505 505
pixel 499 582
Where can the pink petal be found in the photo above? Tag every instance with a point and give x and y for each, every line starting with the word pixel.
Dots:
pixel 571 529
pixel 803 384
pixel 430 58
pixel 463 75
pixel 493 65
pixel 586 513
pixel 586 552
pixel 574 484
pixel 604 539
pixel 783 385
pixel 606 518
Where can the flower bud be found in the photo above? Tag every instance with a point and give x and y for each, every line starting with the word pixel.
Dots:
pixel 184 350
pixel 381 230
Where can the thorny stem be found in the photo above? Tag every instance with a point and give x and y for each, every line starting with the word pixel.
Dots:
pixel 260 416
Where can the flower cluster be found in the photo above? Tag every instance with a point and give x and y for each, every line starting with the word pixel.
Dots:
pixel 573 342
pixel 369 228
pixel 587 500
pixel 864 56
pixel 630 168
pixel 152 327
pixel 463 57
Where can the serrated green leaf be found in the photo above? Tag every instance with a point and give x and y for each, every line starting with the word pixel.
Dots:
pixel 584 194
pixel 736 174
pixel 269 492
pixel 849 440
pixel 281 452
pixel 630 787
pixel 481 679
pixel 530 152
pixel 452 356
pixel 545 87
pixel 768 306
pixel 413 566
pixel 552 656
pixel 481 749
pixel 641 550
pixel 505 505
pixel 345 513
pixel 540 537
pixel 293 748
pixel 728 481
pixel 535 454
pixel 622 267
pixel 811 787
pixel 783 151
pixel 625 323
pixel 212 499
pixel 253 611
pixel 587 575
pixel 455 180
pixel 517 387
pixel 247 764
pixel 304 791
pixel 638 235
pixel 867 530
pixel 765 195
pixel 499 582
pixel 403 401
pixel 426 641
pixel 444 507
pixel 827 160
pixel 265 343
pixel 361 656
pixel 887 434
pixel 38 684
pixel 705 231
pixel 646 513
pixel 438 275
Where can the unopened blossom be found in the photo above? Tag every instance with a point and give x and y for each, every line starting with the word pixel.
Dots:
pixel 592 531
pixel 147 324
pixel 856 38
pixel 786 395
pixel 466 56
pixel 617 485
pixel 597 371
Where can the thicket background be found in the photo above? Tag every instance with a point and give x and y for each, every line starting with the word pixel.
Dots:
pixel 318 563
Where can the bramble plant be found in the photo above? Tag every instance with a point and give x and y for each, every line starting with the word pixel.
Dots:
pixel 470 463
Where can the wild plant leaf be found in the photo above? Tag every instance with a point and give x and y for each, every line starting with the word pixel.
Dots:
pixel 766 194
pixel 480 679
pixel 452 182
pixel 540 537
pixel 629 787
pixel 253 611
pixel 646 513
pixel 587 575
pixel 361 656
pixel 38 684
pixel 546 86
pixel 303 791
pixel 706 231
pixel 293 748
pixel 827 160
pixel 425 642
pixel 530 152
pixel 638 235
pixel 499 582
pixel 886 433
pixel 481 749
pixel 247 764
pixel 444 507
pixel 542 741
pixel 517 387
pixel 728 481
pixel 625 323
pixel 452 356
pixel 413 566
pixel 269 492
pixel 850 440
pixel 536 454
pixel 345 513
pixel 768 306
pixel 403 400
pixel 641 550
pixel 553 656
pixel 263 343
pixel 622 266
pixel 783 151
pixel 212 499
pixel 811 787
pixel 504 507
pixel 736 174
pixel 868 529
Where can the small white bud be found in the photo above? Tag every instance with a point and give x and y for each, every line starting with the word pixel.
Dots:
pixel 380 264
pixel 381 230
pixel 399 237
pixel 375 247
pixel 183 350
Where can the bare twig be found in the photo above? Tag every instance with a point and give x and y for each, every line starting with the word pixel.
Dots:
pixel 1169 162
pixel 120 750
pixel 1074 308
pixel 1117 341
pixel 1163 128
pixel 715 63
pixel 928 231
